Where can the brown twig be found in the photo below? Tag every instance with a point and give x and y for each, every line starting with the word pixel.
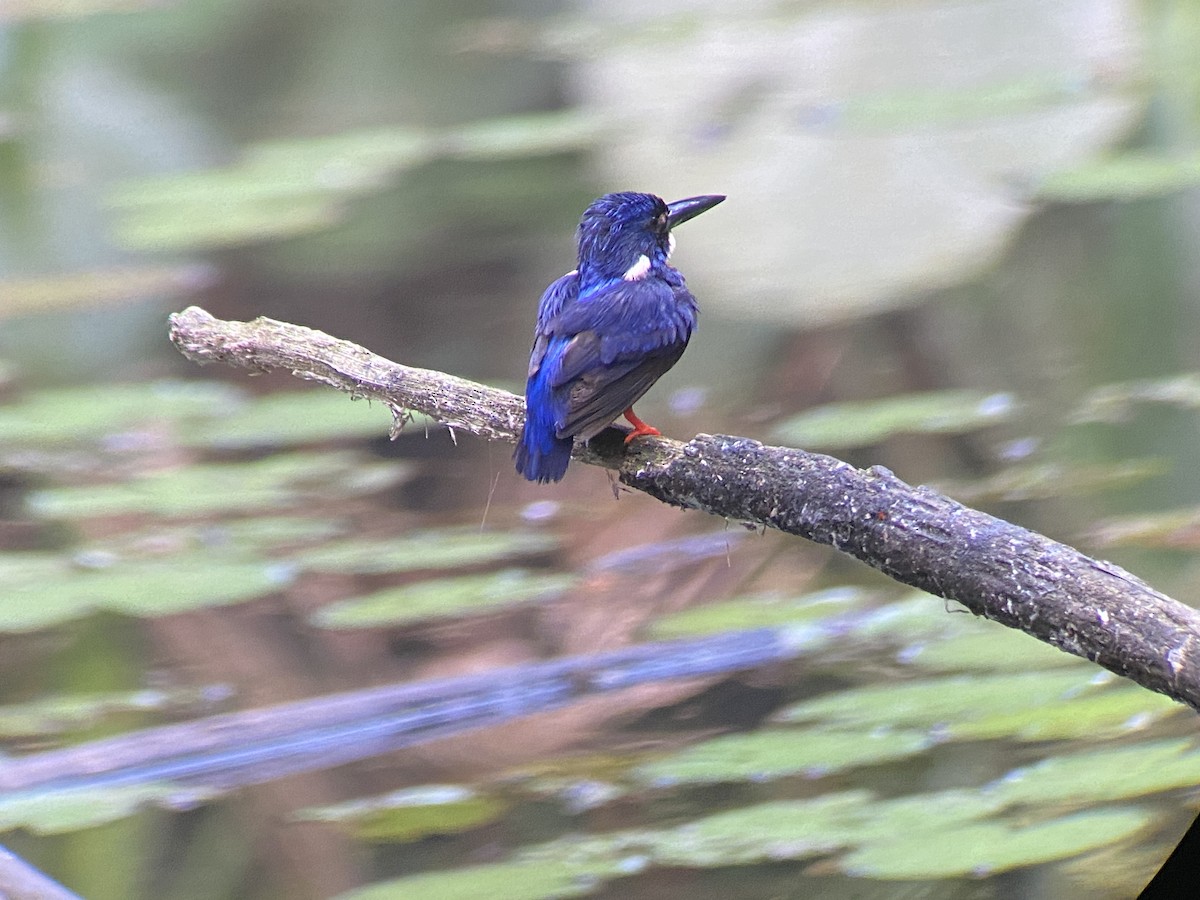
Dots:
pixel 995 569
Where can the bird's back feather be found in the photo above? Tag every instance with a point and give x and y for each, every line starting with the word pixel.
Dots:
pixel 594 357
pixel 542 454
pixel 606 331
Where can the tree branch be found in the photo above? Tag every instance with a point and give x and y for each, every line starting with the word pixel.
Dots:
pixel 995 569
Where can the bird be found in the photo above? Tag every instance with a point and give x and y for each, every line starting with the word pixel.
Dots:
pixel 608 329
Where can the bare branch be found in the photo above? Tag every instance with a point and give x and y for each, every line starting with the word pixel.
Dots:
pixel 995 569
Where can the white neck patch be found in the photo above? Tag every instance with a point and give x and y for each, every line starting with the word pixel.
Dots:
pixel 638 270
pixel 670 244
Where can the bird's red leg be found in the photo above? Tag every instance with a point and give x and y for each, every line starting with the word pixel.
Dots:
pixel 639 427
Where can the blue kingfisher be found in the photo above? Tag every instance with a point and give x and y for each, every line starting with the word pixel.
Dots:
pixel 608 329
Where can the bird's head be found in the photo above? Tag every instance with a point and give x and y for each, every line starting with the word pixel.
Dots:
pixel 624 235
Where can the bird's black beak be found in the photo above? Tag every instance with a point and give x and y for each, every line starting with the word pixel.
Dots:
pixel 682 210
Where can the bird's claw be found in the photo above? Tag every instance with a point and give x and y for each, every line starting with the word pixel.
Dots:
pixel 644 431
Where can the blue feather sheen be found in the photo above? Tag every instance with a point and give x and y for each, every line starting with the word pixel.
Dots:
pixel 542 455
pixel 605 331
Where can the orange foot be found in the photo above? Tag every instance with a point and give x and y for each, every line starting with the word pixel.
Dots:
pixel 640 428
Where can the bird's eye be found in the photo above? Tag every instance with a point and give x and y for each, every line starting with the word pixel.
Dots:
pixel 661 222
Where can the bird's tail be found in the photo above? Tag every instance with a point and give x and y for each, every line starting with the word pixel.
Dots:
pixel 541 455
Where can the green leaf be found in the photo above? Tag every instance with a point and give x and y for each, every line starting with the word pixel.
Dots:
pixel 944 107
pixel 42 590
pixel 523 136
pixel 1124 177
pixel 934 812
pixel 1114 711
pixel 64 811
pixel 933 701
pixel 934 635
pixel 84 414
pixel 522 879
pixel 442 598
pixel 55 715
pixel 278 481
pixel 1018 484
pixel 794 829
pixel 1117 402
pixel 295 417
pixel 412 813
pixel 302 185
pixel 97 287
pixel 776 753
pixel 986 848
pixel 425 549
pixel 979 645
pixel 1176 529
pixel 788 829
pixel 845 425
pixel 1113 773
pixel 240 220
pixel 70 9
pixel 761 611
pixel 350 161
pixel 261 534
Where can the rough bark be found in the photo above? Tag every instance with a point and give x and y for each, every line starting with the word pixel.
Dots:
pixel 995 569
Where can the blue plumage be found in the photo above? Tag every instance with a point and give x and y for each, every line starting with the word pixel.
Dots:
pixel 607 330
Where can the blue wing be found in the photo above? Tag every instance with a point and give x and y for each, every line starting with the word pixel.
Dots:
pixel 615 345
pixel 542 454
pixel 561 292
pixel 594 357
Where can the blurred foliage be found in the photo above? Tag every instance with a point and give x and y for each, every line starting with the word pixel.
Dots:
pixel 881 152
pixel 85 415
pixel 1004 847
pixel 902 846
pixel 413 813
pixel 866 422
pixel 53 715
pixel 279 482
pixel 1115 403
pixel 172 548
pixel 46 590
pixel 443 598
pixel 74 810
pixel 295 417
pixel 428 548
pixel 1177 529
pixel 405 168
pixel 292 187
pixel 769 755
pixel 67 9
pixel 1123 178
pixel 1043 480
pixel 32 295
